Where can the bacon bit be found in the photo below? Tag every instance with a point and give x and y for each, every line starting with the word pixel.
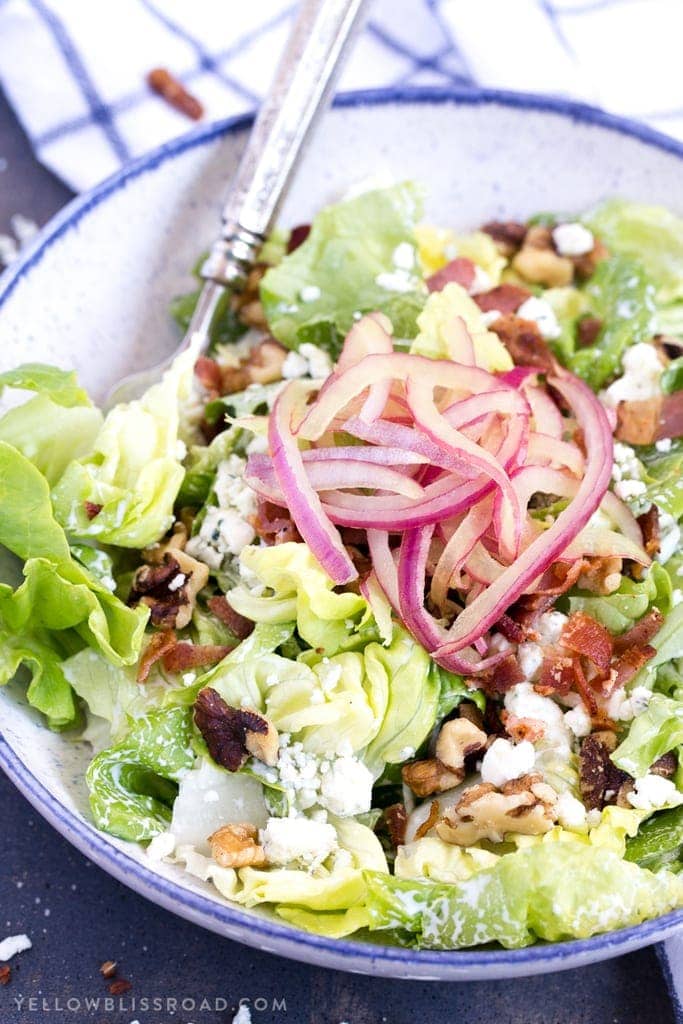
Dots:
pixel 233 379
pixel 297 237
pixel 583 688
pixel 508 235
pixel 587 330
pixel 459 271
pixel 586 636
pixel 506 298
pixel 174 92
pixel 119 987
pixel 584 266
pixel 524 342
pixel 503 676
pixel 556 675
pixel 559 578
pixel 225 728
pixel 236 623
pixel 273 524
pixel 510 629
pixel 519 729
pixel 208 373
pixel 649 524
pixel 600 780
pixel 665 766
pixel 108 969
pixel 92 509
pixel 629 665
pixel 184 656
pixel 638 422
pixel 395 818
pixel 159 645
pixel 5 974
pixel 671 417
pixel 430 821
pixel 640 634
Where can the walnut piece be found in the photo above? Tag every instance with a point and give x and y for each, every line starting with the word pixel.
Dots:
pixel 231 734
pixel 235 846
pixel 430 776
pixel 169 589
pixel 456 740
pixel 265 362
pixel 154 555
pixel 542 265
pixel 525 805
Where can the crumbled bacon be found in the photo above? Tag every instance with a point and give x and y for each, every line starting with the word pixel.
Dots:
pixel 236 623
pixel 531 729
pixel 183 656
pixel 459 271
pixel 92 509
pixel 556 676
pixel 395 818
pixel 225 728
pixel 208 373
pixel 587 330
pixel 159 644
pixel 640 633
pixel 5 974
pixel 628 665
pixel 600 780
pixel 524 342
pixel 649 524
pixel 505 298
pixel 510 629
pixel 503 676
pixel 174 92
pixel 274 524
pixel 638 421
pixel 587 637
pixel 430 821
pixel 297 237
pixel 508 235
pixel 582 687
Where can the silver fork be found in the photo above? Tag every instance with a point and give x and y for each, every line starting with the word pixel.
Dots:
pixel 301 88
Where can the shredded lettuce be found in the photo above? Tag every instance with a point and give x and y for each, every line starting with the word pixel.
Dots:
pixel 350 246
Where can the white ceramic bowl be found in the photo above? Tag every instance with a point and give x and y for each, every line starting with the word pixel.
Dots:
pixel 93 292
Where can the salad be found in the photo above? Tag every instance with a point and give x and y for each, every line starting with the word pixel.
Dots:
pixel 373 615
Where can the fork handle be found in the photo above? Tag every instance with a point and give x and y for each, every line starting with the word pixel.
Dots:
pixel 302 84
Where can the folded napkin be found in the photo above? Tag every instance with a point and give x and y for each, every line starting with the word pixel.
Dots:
pixel 75 72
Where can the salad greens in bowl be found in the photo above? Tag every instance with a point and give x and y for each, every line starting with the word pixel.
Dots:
pixel 371 617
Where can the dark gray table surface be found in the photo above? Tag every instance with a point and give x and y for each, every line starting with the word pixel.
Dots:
pixel 77 916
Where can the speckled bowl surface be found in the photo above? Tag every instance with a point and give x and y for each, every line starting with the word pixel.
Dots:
pixel 93 293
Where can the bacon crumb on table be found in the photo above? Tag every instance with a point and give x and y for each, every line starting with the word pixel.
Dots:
pixel 5 974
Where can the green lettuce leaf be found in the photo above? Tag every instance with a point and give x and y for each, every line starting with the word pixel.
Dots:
pixel 133 471
pixel 650 234
pixel 350 244
pixel 621 295
pixel 655 732
pixel 453 690
pixel 49 691
pixel 618 611
pixel 659 842
pixel 61 386
pixel 550 891
pixel 299 589
pixel 664 477
pixel 133 785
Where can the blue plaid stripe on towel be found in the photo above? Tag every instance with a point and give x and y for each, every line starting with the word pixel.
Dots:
pixel 75 72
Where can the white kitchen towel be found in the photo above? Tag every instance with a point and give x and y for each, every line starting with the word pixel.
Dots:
pixel 75 73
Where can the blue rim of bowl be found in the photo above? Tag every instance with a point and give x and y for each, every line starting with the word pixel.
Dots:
pixel 226 918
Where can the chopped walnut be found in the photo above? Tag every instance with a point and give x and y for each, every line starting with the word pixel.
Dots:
pixel 169 589
pixel 600 780
pixel 108 969
pixel 638 420
pixel 430 776
pixel 456 740
pixel 508 235
pixel 395 819
pixel 232 734
pixel 235 846
pixel 538 262
pixel 154 555
pixel 601 575
pixel 265 362
pixel 525 805
pixel 585 265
